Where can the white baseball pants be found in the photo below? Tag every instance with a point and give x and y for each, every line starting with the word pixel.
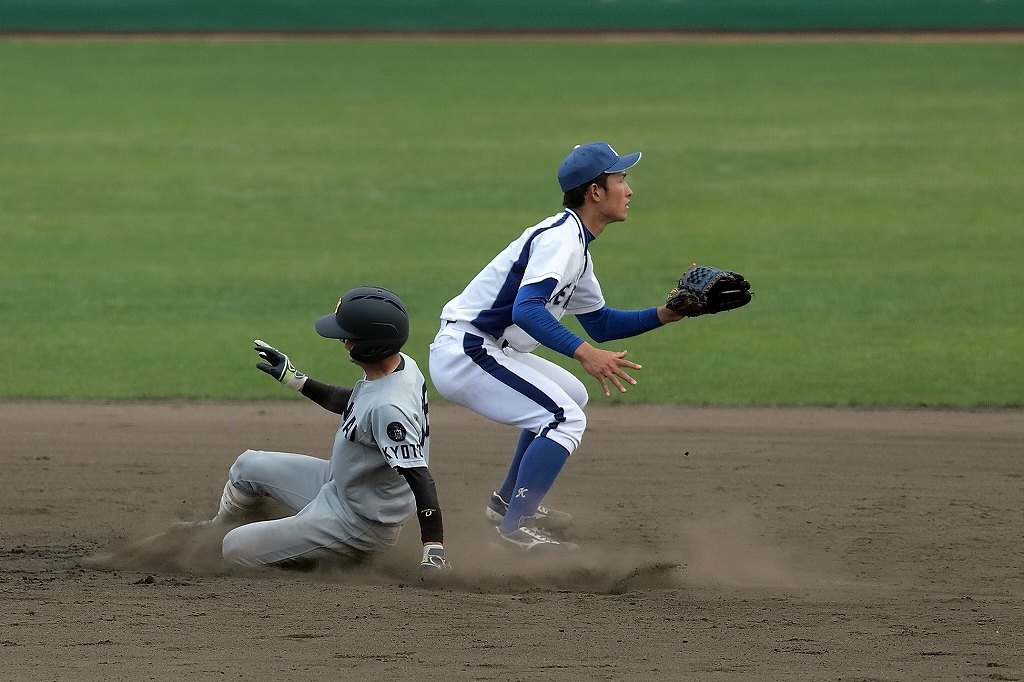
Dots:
pixel 502 384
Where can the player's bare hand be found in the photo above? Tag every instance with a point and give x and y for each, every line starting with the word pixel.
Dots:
pixel 606 366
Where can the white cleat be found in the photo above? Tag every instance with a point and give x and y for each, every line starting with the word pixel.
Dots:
pixel 528 538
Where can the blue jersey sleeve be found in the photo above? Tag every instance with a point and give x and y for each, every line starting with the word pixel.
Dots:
pixel 530 313
pixel 608 324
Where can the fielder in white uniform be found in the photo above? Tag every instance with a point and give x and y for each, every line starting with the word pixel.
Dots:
pixel 352 506
pixel 481 356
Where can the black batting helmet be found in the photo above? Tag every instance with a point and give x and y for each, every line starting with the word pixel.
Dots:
pixel 374 318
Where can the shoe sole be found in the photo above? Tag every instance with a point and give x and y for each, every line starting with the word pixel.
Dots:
pixel 544 549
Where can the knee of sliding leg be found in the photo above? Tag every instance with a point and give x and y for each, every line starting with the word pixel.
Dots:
pixel 234 550
pixel 246 462
pixel 248 466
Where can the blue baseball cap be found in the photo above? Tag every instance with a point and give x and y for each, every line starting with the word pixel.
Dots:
pixel 586 162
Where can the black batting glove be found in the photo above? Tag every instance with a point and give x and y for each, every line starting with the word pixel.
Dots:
pixel 278 366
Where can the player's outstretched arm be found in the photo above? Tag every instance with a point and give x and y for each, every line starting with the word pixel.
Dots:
pixel 611 324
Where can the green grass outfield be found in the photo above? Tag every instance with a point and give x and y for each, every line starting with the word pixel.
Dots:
pixel 164 203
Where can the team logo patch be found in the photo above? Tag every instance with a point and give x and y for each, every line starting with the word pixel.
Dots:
pixel 396 432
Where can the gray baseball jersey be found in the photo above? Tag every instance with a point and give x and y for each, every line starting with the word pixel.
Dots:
pixel 384 426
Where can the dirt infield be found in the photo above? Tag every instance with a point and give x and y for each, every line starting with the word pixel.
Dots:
pixel 717 544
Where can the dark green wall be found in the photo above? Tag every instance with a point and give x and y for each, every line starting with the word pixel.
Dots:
pixel 737 15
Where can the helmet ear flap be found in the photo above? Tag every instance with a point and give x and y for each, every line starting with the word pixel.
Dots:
pixel 370 352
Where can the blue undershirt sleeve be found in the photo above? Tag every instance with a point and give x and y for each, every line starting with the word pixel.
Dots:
pixel 608 324
pixel 529 313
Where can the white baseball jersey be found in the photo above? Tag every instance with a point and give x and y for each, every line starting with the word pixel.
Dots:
pixel 555 248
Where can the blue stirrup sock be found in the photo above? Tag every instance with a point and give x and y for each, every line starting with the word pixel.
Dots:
pixel 509 484
pixel 541 463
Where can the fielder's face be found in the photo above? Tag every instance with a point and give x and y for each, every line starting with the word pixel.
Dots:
pixel 614 203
